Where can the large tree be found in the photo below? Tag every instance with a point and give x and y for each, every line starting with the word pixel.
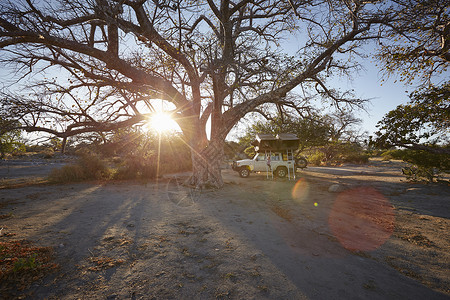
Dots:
pixel 421 124
pixel 99 65
pixel 415 43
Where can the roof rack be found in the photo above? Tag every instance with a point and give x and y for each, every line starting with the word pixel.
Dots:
pixel 280 142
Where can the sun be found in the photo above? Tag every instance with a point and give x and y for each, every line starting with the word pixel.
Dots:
pixel 162 122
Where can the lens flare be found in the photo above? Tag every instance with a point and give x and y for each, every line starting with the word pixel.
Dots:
pixel 300 190
pixel 162 122
pixel 362 219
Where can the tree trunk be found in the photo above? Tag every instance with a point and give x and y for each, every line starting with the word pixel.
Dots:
pixel 63 146
pixel 206 170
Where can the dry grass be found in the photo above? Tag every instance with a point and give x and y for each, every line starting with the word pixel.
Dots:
pixel 21 264
pixel 88 167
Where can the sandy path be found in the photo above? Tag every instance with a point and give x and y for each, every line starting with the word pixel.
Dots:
pixel 254 239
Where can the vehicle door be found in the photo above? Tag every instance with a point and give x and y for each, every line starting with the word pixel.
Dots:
pixel 260 162
pixel 275 160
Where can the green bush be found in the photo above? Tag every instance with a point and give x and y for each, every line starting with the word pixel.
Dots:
pixel 337 153
pixel 425 165
pixel 392 154
pixel 316 158
pixel 356 158
pixel 349 153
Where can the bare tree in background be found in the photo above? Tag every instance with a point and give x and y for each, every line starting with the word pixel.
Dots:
pixel 99 65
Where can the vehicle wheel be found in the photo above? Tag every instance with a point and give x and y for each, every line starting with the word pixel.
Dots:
pixel 244 172
pixel 281 172
pixel 301 163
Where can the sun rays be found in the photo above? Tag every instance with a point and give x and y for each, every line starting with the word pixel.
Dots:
pixel 162 122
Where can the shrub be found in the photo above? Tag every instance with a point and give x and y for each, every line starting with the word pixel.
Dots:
pixel 356 158
pixel 68 173
pixel 88 167
pixel 47 153
pixel 138 162
pixel 137 167
pixel 392 154
pixel 145 166
pixel 94 167
pixel 336 153
pixel 171 164
pixel 350 153
pixel 425 165
pixel 316 158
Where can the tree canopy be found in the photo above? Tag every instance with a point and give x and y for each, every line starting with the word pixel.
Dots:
pixel 415 44
pixel 99 65
pixel 421 124
pixel 10 140
pixel 312 130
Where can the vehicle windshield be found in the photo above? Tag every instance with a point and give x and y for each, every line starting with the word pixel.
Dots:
pixel 262 156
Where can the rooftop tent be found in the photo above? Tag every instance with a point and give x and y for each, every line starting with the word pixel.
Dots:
pixel 265 142
pixel 281 142
pixel 288 141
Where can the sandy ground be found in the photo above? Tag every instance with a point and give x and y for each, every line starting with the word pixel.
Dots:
pixel 375 237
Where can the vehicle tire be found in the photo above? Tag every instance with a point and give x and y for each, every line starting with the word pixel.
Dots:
pixel 281 172
pixel 244 172
pixel 301 163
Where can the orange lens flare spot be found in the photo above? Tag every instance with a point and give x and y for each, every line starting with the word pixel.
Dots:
pixel 362 219
pixel 300 190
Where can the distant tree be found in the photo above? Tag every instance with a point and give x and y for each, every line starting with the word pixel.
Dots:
pixel 312 130
pixel 55 143
pixel 421 124
pixel 10 141
pixel 343 126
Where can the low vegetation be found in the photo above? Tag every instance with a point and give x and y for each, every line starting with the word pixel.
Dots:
pixel 88 167
pixel 425 165
pixel 127 155
pixel 337 153
pixel 137 167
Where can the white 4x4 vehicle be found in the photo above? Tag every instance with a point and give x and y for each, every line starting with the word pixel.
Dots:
pixel 279 164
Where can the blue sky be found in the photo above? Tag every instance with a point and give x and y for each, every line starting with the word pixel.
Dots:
pixel 384 95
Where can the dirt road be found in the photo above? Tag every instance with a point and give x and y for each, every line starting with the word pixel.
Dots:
pixel 374 237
